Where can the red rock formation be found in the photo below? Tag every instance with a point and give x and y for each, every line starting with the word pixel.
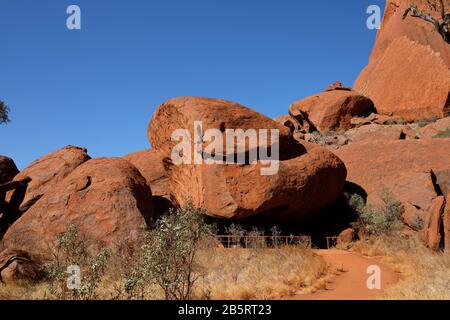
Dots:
pixel 8 169
pixel 48 171
pixel 150 165
pixel 181 113
pixel 376 132
pixel 18 265
pixel 346 237
pixel 332 109
pixel 404 166
pixel 107 199
pixel 447 224
pixel 431 234
pixel 433 129
pixel 308 180
pixel 408 72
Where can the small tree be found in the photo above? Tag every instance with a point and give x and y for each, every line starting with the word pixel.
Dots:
pixel 71 250
pixel 4 110
pixel 168 255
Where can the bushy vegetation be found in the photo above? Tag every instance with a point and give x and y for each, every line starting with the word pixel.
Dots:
pixel 71 252
pixel 384 218
pixel 168 254
pixel 179 258
pixel 4 110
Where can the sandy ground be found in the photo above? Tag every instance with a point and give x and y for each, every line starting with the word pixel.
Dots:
pixel 350 283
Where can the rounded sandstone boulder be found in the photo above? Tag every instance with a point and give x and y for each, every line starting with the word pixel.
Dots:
pixel 108 201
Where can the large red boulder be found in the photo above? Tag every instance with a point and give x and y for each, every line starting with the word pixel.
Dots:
pixel 150 165
pixel 48 171
pixel 405 167
pixel 332 109
pixel 108 200
pixel 181 113
pixel 309 177
pixel 408 73
pixel 8 169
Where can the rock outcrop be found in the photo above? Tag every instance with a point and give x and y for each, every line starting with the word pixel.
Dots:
pixel 405 167
pixel 108 200
pixel 309 178
pixel 48 171
pixel 8 169
pixel 408 73
pixel 150 165
pixel 332 109
pixel 18 265
pixel 431 234
pixel 446 222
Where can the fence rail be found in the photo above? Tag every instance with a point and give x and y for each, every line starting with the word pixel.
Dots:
pixel 263 241
pixel 331 242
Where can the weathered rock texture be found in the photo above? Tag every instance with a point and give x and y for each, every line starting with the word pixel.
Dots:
pixel 107 199
pixel 18 265
pixel 310 177
pixel 408 73
pixel 48 171
pixel 332 109
pixel 431 234
pixel 150 165
pixel 446 223
pixel 405 167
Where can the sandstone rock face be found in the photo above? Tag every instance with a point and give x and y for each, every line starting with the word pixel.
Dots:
pixel 405 167
pixel 447 224
pixel 433 129
pixel 18 265
pixel 413 217
pixel 346 236
pixel 408 73
pixel 8 169
pixel 150 165
pixel 309 178
pixel 107 199
pixel 376 132
pixel 332 109
pixel 48 171
pixel 181 113
pixel 431 234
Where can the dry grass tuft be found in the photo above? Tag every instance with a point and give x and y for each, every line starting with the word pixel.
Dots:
pixel 261 273
pixel 236 274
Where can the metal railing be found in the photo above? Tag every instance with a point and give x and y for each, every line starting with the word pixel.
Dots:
pixel 331 242
pixel 256 242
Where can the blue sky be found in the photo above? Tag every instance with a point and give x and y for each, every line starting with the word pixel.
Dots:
pixel 99 86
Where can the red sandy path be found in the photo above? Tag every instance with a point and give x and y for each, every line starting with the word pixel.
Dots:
pixel 351 284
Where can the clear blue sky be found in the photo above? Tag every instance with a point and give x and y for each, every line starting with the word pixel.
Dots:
pixel 99 86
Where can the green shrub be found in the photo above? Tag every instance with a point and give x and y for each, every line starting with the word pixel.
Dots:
pixel 376 220
pixel 167 256
pixel 72 251
pixel 4 110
